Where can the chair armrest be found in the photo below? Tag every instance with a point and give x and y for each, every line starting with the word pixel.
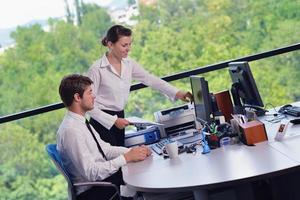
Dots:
pixel 95 183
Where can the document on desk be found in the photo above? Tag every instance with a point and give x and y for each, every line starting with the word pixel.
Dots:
pixel 141 122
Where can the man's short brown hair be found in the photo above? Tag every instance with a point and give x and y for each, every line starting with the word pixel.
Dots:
pixel 72 84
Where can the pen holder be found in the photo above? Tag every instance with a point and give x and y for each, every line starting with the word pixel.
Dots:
pixel 252 132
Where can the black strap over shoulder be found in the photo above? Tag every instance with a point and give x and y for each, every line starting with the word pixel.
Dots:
pixel 98 145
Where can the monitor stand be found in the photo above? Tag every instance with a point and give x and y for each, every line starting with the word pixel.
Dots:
pixel 239 110
pixel 243 110
pixel 258 110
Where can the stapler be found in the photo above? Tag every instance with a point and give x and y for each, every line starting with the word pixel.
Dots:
pixel 295 121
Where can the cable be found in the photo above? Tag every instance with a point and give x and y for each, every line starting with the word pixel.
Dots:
pixel 273 107
pixel 277 117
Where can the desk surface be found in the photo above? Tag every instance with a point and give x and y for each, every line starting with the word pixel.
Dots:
pixel 191 172
pixel 289 146
pixel 222 166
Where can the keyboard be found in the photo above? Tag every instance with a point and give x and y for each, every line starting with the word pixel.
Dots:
pixel 178 137
pixel 157 147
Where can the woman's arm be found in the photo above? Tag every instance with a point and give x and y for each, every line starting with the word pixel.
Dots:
pixel 140 74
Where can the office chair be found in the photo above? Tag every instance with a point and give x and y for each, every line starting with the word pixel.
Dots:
pixel 55 157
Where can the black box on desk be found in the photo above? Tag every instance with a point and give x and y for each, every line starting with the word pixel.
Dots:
pixel 253 132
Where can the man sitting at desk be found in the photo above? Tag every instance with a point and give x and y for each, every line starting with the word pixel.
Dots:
pixel 85 156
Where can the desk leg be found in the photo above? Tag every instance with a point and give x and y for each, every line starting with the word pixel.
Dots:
pixel 200 194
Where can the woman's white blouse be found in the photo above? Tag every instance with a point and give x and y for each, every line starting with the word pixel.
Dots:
pixel 112 90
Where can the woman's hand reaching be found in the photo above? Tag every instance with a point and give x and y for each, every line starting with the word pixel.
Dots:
pixel 184 96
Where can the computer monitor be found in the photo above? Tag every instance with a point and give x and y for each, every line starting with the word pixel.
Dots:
pixel 202 100
pixel 244 88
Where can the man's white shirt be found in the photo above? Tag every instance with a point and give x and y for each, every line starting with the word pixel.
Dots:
pixel 80 154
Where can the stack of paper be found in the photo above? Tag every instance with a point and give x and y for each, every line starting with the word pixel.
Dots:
pixel 141 122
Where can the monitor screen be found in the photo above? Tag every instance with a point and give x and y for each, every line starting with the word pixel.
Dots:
pixel 202 99
pixel 244 87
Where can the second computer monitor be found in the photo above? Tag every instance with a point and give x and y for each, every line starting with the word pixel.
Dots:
pixel 202 99
pixel 244 88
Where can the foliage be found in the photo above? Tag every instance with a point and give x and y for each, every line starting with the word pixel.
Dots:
pixel 171 36
pixel 26 172
pixel 199 33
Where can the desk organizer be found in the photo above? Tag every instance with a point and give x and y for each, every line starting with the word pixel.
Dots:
pixel 253 132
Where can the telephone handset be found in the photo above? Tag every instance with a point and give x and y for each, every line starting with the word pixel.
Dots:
pixel 284 108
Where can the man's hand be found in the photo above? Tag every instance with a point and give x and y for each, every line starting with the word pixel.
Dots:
pixel 149 152
pixel 121 123
pixel 184 96
pixel 137 154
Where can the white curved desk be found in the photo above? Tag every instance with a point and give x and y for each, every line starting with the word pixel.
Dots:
pixel 199 172
pixel 289 146
pixel 223 166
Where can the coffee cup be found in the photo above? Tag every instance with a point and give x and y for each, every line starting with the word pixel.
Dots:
pixel 171 150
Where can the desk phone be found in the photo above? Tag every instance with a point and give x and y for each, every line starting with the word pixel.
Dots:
pixel 290 110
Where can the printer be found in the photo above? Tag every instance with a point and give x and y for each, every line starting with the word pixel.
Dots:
pixel 176 120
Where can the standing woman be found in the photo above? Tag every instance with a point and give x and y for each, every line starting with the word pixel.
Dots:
pixel 112 75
